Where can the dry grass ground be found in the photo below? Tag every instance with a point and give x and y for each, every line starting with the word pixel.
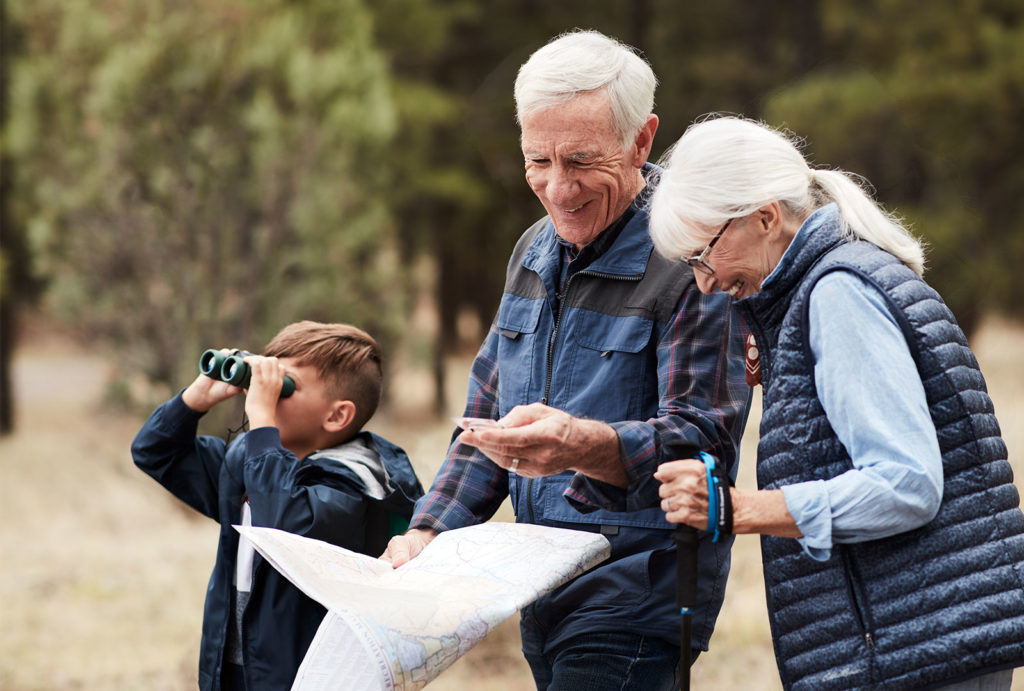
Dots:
pixel 102 575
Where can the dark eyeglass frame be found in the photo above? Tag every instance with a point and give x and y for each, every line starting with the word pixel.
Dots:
pixel 699 261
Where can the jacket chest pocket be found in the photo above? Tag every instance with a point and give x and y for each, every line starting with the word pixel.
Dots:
pixel 610 375
pixel 518 351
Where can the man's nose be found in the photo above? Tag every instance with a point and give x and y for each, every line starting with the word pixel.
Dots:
pixel 562 185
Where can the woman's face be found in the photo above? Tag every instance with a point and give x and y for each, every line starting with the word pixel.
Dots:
pixel 744 255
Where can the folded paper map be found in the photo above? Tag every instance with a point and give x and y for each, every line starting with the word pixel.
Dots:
pixel 396 629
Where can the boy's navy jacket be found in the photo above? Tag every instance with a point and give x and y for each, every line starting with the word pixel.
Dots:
pixel 321 496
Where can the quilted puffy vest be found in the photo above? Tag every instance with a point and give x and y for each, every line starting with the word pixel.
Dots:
pixel 922 608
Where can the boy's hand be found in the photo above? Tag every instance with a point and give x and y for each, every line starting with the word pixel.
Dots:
pixel 206 392
pixel 264 390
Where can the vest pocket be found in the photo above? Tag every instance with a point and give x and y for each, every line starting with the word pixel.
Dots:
pixel 517 323
pixel 858 603
pixel 610 368
pixel 608 334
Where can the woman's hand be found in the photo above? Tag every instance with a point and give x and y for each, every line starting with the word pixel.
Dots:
pixel 684 499
pixel 684 492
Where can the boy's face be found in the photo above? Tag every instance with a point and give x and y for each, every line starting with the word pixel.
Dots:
pixel 301 416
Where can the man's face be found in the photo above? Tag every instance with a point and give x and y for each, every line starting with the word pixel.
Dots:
pixel 576 166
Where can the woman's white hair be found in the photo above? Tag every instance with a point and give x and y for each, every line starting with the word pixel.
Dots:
pixel 584 61
pixel 728 167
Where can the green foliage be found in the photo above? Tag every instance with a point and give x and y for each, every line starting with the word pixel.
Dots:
pixel 188 174
pixel 931 115
pixel 198 174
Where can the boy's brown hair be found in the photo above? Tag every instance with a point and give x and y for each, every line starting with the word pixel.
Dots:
pixel 346 358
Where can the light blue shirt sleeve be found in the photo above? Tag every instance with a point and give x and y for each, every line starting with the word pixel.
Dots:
pixel 872 394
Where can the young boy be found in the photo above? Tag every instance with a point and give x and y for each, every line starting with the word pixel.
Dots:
pixel 305 466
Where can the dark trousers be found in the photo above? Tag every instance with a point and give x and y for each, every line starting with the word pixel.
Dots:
pixel 603 661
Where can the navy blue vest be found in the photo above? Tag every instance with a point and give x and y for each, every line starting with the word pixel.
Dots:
pixel 929 606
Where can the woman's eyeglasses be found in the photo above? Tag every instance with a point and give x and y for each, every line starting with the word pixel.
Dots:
pixel 698 262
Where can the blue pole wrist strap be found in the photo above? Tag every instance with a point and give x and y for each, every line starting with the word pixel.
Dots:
pixel 719 499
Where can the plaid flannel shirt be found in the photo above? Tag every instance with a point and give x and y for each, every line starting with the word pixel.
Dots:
pixel 703 397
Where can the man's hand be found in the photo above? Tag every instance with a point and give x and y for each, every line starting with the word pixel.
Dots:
pixel 264 390
pixel 402 548
pixel 537 440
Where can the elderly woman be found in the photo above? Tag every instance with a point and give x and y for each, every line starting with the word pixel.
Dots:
pixel 894 541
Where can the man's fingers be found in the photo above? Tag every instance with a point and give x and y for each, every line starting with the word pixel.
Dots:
pixel 398 551
pixel 402 548
pixel 526 414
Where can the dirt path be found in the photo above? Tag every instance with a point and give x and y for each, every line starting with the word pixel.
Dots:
pixel 94 553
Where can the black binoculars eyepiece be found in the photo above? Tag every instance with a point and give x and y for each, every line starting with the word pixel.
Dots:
pixel 233 369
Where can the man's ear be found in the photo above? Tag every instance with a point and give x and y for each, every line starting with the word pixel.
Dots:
pixel 340 416
pixel 645 140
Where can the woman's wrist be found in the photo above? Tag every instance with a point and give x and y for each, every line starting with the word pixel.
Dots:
pixel 762 512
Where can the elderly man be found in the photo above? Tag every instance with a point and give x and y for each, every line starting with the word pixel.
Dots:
pixel 604 360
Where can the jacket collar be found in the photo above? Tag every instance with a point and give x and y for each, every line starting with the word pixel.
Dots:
pixel 819 233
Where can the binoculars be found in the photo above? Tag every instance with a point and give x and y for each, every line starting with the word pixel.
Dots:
pixel 233 369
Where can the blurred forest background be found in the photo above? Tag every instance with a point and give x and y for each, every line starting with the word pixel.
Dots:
pixel 181 174
pixel 184 174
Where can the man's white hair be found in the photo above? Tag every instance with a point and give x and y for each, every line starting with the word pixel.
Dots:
pixel 584 61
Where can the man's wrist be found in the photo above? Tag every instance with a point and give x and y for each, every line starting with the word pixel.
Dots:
pixel 600 455
pixel 428 533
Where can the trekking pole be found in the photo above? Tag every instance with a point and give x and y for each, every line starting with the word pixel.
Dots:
pixel 687 543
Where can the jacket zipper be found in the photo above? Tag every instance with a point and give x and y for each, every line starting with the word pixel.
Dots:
pixel 552 341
